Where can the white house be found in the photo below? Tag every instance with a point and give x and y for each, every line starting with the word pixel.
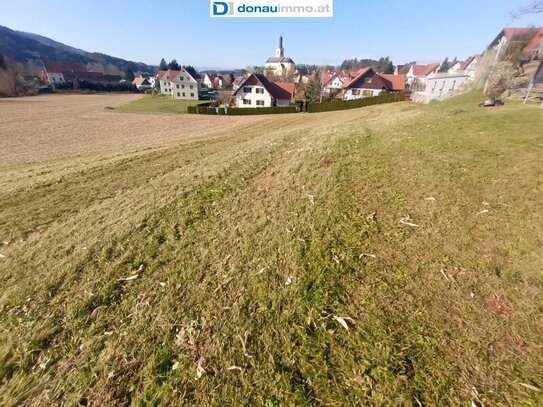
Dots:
pixel 257 91
pixel 180 84
pixel 142 83
pixel 418 74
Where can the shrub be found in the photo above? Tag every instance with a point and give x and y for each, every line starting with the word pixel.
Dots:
pixel 353 104
pixel 239 111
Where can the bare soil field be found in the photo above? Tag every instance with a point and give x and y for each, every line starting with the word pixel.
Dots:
pixel 389 255
pixel 49 127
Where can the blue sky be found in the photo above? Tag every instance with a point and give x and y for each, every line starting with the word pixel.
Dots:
pixel 406 30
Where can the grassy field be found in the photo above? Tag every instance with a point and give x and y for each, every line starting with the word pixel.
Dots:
pixel 389 255
pixel 158 104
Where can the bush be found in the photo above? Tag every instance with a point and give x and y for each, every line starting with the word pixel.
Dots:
pixel 353 104
pixel 239 111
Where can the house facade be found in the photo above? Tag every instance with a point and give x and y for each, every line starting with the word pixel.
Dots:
pixel 368 83
pixel 256 91
pixel 418 74
pixel 179 84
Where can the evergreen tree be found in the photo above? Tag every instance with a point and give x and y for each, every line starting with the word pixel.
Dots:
pixel 444 66
pixel 314 87
pixel 173 65
pixel 384 65
pixel 163 65
pixel 2 61
pixel 128 74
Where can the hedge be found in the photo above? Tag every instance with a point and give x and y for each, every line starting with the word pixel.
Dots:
pixel 240 111
pixel 353 104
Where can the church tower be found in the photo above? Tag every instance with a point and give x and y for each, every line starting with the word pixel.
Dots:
pixel 280 51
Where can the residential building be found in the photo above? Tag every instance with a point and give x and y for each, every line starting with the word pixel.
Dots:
pixel 533 37
pixel 368 83
pixel 279 65
pixel 417 75
pixel 258 91
pixel 55 72
pixel 180 84
pixel 142 83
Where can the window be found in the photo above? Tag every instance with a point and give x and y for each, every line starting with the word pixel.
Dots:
pixel 183 94
pixel 260 102
pixel 367 80
pixel 247 89
pixel 177 86
pixel 182 78
pixel 192 87
pixel 259 90
pixel 178 94
pixel 246 102
pixel 182 86
pixel 356 92
pixel 367 93
pixel 192 95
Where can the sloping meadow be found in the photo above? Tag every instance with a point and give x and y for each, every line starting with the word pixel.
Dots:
pixel 382 256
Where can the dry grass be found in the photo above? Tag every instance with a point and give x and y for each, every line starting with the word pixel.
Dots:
pixel 272 267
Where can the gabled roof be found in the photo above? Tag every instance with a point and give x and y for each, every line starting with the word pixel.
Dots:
pixel 62 67
pixel 424 70
pixel 140 81
pixel 360 73
pixel 171 73
pixel 278 90
pixel 509 32
pixel 397 82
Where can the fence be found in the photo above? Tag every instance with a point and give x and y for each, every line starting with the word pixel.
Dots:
pixel 239 111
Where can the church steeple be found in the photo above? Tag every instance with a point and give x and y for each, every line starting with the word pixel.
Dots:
pixel 280 51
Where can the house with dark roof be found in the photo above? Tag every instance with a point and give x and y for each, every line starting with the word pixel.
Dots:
pixel 142 83
pixel 368 83
pixel 60 72
pixel 257 91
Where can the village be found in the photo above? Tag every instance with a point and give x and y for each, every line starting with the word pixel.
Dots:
pixel 281 83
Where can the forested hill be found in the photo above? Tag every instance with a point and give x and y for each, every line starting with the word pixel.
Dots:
pixel 26 47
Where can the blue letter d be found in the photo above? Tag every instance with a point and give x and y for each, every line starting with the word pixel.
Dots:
pixel 217 11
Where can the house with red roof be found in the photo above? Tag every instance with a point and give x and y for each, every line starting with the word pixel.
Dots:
pixel 368 83
pixel 180 84
pixel 532 36
pixel 333 82
pixel 257 91
pixel 418 74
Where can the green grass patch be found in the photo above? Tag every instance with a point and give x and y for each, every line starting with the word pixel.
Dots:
pixel 158 104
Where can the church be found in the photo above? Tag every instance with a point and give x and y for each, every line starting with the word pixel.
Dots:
pixel 279 65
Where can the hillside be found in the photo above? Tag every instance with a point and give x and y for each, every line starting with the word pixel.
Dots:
pixel 23 47
pixel 383 256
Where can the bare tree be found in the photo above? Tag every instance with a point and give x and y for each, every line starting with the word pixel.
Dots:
pixel 533 8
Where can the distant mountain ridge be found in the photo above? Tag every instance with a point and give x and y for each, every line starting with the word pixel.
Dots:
pixel 28 47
